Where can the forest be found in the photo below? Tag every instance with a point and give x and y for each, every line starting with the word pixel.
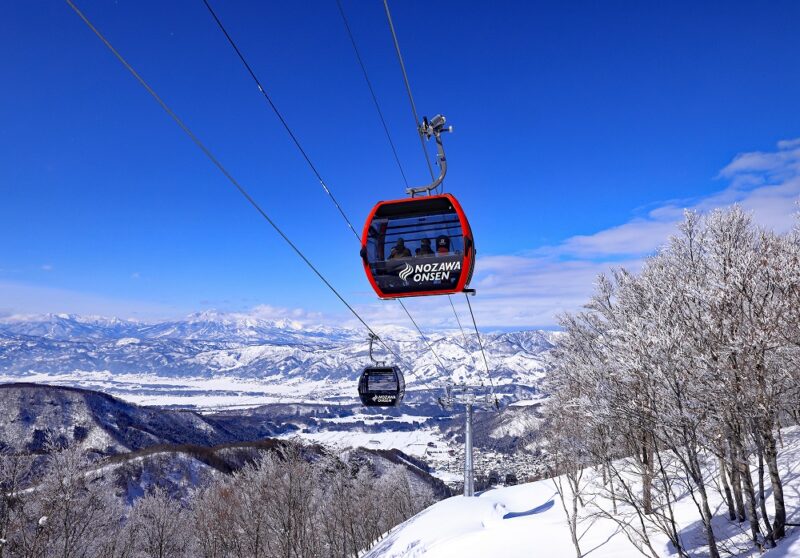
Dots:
pixel 292 502
pixel 687 366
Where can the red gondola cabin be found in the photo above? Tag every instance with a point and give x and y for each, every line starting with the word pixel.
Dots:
pixel 417 247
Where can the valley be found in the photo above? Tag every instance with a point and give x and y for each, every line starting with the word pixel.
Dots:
pixel 280 379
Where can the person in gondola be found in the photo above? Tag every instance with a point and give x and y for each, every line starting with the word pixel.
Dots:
pixel 425 248
pixel 442 244
pixel 400 250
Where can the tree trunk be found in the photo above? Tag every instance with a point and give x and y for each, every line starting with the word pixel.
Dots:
pixel 672 528
pixel 574 524
pixel 762 502
pixel 613 493
pixel 749 493
pixel 647 476
pixel 573 481
pixel 736 483
pixel 707 517
pixel 723 475
pixel 697 476
pixel 771 457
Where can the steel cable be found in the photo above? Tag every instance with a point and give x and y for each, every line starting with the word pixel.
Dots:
pixel 306 156
pixel 408 88
pixel 371 91
pixel 207 152
pixel 280 117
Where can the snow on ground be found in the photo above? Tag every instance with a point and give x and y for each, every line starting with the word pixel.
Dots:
pixel 526 402
pixel 412 443
pixel 215 392
pixel 374 419
pixel 449 477
pixel 519 521
pixel 529 521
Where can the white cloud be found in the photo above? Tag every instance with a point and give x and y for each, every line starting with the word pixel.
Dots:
pixel 532 289
pixel 298 315
pixel 21 298
pixel 775 165
pixel 46 267
pixel 529 290
pixel 514 291
pixel 639 236
pixel 765 183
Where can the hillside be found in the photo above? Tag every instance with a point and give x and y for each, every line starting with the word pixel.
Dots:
pixel 251 378
pixel 528 520
pixel 141 447
pixel 35 415
pixel 179 469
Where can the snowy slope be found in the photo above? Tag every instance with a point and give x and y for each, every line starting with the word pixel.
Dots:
pixel 528 521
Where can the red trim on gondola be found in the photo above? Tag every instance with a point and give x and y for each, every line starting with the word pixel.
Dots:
pixel 469 248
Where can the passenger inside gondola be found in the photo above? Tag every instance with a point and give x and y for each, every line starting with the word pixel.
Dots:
pixel 400 250
pixel 442 244
pixel 425 248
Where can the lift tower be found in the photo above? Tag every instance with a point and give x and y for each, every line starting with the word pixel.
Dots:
pixel 471 397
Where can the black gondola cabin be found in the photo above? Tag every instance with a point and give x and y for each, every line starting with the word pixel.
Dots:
pixel 381 386
pixel 417 247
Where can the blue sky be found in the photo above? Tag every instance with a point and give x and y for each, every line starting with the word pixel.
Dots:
pixel 582 130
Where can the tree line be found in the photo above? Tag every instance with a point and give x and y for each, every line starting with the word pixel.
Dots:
pixel 288 503
pixel 687 367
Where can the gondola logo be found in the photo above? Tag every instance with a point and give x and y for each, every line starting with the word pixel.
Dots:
pixel 407 270
pixel 436 271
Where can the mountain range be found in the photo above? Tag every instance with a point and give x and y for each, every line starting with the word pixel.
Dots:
pixel 247 355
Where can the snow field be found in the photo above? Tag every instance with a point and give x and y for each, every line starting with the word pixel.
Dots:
pixel 528 521
pixel 205 393
pixel 412 443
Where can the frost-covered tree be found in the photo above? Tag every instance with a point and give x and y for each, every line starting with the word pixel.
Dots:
pixel 689 364
pixel 72 512
pixel 289 502
pixel 159 526
pixel 15 471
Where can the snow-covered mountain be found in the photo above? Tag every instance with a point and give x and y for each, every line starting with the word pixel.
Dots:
pixel 68 326
pixel 250 354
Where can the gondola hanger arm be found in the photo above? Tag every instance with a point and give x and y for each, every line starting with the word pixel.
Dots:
pixel 433 128
pixel 372 338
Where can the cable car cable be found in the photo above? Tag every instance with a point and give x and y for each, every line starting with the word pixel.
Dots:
pixel 371 90
pixel 422 141
pixel 389 137
pixel 405 363
pixel 463 334
pixel 306 156
pixel 480 343
pixel 207 152
pixel 424 338
pixel 408 89
pixel 196 140
pixel 280 117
